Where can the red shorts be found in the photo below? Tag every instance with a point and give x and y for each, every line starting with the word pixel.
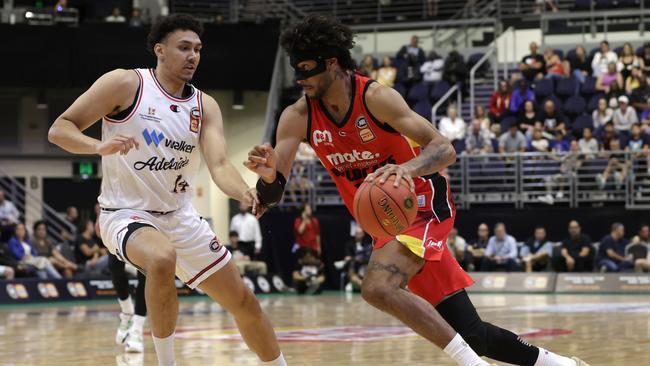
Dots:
pixel 441 275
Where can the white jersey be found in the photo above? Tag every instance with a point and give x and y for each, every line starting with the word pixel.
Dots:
pixel 159 175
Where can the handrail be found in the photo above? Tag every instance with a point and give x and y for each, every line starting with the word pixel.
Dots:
pixel 472 74
pixel 444 98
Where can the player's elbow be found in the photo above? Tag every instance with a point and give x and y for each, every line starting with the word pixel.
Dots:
pixel 53 133
pixel 449 154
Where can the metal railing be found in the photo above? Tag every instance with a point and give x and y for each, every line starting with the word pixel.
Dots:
pixel 517 179
pixel 459 100
pixel 472 76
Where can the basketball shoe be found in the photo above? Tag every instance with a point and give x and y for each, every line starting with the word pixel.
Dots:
pixel 134 342
pixel 123 328
pixel 579 362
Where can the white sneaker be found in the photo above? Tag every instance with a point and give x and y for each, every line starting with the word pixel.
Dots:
pixel 123 328
pixel 129 359
pixel 134 342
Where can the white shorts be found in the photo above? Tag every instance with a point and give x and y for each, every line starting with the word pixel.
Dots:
pixel 199 253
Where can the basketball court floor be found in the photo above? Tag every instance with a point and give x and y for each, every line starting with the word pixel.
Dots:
pixel 331 329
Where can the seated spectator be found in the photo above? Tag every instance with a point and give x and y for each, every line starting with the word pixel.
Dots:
pixel 617 167
pixel 512 141
pixel 532 66
pixel 538 142
pixel 605 82
pixel 527 117
pixel 23 251
pixel 537 251
pixel 602 115
pixel 116 16
pixel 306 230
pixel 137 22
pixel 367 67
pixel 89 253
pixel 638 145
pixel 608 135
pixel 646 58
pixel 500 102
pixel 386 74
pixel 640 97
pixel 588 144
pixel 628 61
pixel 554 67
pixel 9 217
pixel 551 117
pixel 72 218
pixel 519 96
pixel 624 116
pixel 45 248
pixel 309 273
pixel 357 245
pixel 454 70
pixel 359 258
pixel 457 246
pixel 7 272
pixel 481 117
pixel 409 71
pixel 642 238
pixel 611 252
pixel 576 252
pixel 602 59
pixel 7 264
pixel 414 49
pixel 501 252
pixel 476 248
pixel 634 80
pixel 580 66
pixel 560 144
pixel 242 261
pixel 452 127
pixel 569 164
pixel 478 141
pixel 432 68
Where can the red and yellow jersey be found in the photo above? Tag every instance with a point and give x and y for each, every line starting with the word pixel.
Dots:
pixel 360 144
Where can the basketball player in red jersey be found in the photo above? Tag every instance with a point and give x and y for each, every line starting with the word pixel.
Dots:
pixel 358 129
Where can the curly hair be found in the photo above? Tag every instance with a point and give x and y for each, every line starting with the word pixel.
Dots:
pixel 164 26
pixel 322 35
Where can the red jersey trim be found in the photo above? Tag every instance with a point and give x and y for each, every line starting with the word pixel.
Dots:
pixel 169 96
pixel 137 104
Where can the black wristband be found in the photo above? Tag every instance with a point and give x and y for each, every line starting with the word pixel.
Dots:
pixel 270 194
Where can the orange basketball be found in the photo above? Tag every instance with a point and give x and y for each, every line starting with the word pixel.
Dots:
pixel 383 210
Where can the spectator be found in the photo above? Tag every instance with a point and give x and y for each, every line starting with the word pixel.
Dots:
pixel 478 140
pixel 609 134
pixel 89 253
pixel 241 260
pixel 576 252
pixel 452 126
pixel 116 16
pixel 624 115
pixel 617 167
pixel 501 251
pixel 481 116
pixel 560 144
pixel 500 102
pixel 248 229
pixel 409 71
pixel 69 233
pixel 457 246
pixel 646 58
pixel 634 81
pixel 628 61
pixel 512 141
pixel 299 181
pixel 640 97
pixel 606 80
pixel 357 244
pixel 602 115
pixel 386 74
pixel 367 66
pixel 554 67
pixel 432 68
pixel 454 70
pixel 9 217
pixel 7 272
pixel 642 238
pixel 136 18
pixel 45 248
pixel 537 251
pixel 308 275
pixel 551 117
pixel 527 117
pixel 307 230
pixel 539 5
pixel 539 143
pixel 520 96
pixel 602 59
pixel 638 145
pixel 476 248
pixel 588 144
pixel 580 66
pixel 218 19
pixel 357 254
pixel 413 49
pixel 569 163
pixel 532 66
pixel 611 252
pixel 23 251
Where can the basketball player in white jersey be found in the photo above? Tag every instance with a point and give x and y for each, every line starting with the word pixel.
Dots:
pixel 154 127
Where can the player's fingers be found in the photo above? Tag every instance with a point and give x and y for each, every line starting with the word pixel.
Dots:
pixel 409 179
pixel 387 173
pixel 257 159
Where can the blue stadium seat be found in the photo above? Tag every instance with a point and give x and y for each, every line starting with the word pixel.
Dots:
pixel 543 88
pixel 593 102
pixel 574 106
pixel 423 108
pixel 571 54
pixel 556 100
pixel 618 51
pixel 582 5
pixel 588 88
pixel 401 89
pixel 604 4
pixel 459 146
pixel 639 51
pixel 566 87
pixel 506 122
pixel 583 121
pixel 473 59
pixel 439 90
pixel 559 53
pixel 417 93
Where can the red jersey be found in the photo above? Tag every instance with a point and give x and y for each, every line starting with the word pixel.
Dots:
pixel 360 144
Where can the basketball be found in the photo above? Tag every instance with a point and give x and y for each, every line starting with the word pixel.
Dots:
pixel 383 210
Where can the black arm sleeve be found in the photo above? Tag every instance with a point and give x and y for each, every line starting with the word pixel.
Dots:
pixel 271 193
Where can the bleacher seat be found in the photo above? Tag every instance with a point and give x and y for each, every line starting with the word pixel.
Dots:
pixel 557 101
pixel 506 122
pixel 559 53
pixel 604 4
pixel 417 93
pixel 473 60
pixel 618 51
pixel 593 102
pixel 582 5
pixel 588 88
pixel 423 108
pixel 574 106
pixel 571 54
pixel 566 87
pixel 401 89
pixel 439 90
pixel 582 121
pixel 459 146
pixel 543 88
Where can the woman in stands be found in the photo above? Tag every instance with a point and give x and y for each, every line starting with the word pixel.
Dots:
pixel 602 114
pixel 554 67
pixel 45 248
pixel 579 65
pixel 386 74
pixel 23 251
pixel 628 61
pixel 606 82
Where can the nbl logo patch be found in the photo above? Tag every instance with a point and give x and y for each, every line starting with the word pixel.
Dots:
pixel 365 133
pixel 215 246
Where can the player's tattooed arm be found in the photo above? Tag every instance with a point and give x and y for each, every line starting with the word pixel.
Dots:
pixel 389 107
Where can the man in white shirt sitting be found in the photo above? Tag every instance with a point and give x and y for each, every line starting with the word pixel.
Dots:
pixel 248 229
pixel 452 126
pixel 602 58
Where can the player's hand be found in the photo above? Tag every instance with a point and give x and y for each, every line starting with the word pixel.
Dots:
pixel 262 161
pixel 386 171
pixel 251 199
pixel 117 144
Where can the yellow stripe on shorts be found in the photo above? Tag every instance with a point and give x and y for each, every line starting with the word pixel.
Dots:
pixel 412 243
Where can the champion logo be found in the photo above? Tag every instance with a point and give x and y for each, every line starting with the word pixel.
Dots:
pixel 153 136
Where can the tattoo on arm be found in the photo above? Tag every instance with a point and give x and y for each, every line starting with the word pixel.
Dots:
pixel 391 268
pixel 429 162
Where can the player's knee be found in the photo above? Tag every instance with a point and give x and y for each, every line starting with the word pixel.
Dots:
pixel 248 306
pixel 162 262
pixel 476 336
pixel 375 293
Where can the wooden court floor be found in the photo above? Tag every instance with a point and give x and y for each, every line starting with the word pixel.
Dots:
pixel 330 329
